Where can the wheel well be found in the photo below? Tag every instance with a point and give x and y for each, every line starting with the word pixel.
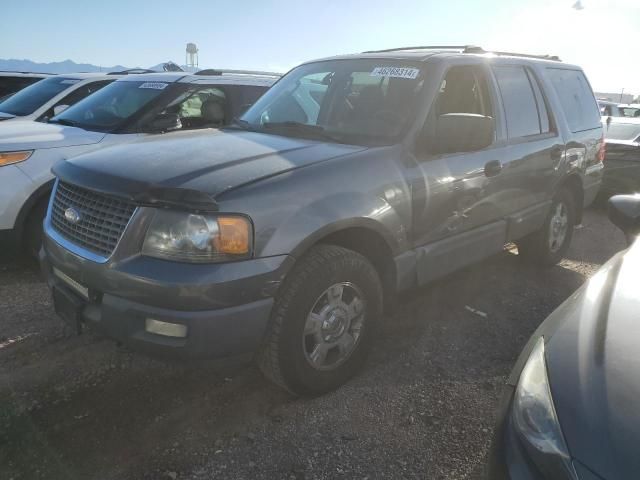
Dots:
pixel 373 246
pixel 42 194
pixel 574 185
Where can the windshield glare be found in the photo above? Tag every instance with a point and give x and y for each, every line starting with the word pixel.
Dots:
pixel 111 106
pixel 29 99
pixel 357 101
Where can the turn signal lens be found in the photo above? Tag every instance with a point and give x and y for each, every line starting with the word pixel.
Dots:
pixel 7 158
pixel 233 237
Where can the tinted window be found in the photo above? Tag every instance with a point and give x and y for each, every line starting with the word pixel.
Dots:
pixel 464 90
pixel 543 114
pixel 579 104
pixel 29 99
pixel 622 131
pixel 13 84
pixel 519 101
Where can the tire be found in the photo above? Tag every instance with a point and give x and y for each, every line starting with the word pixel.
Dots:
pixel 538 247
pixel 32 233
pixel 308 311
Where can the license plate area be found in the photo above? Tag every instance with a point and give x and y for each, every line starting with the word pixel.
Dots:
pixel 69 307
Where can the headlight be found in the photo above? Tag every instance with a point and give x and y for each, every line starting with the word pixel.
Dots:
pixel 196 238
pixel 7 158
pixel 534 415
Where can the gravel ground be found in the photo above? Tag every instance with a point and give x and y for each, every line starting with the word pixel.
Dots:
pixel 82 408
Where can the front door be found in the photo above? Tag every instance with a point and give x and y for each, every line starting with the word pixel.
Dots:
pixel 457 217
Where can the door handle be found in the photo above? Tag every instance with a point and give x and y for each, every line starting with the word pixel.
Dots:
pixel 492 168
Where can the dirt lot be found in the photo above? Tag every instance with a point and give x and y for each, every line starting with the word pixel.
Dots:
pixel 82 408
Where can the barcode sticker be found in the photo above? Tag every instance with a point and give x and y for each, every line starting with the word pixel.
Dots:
pixel 396 72
pixel 154 85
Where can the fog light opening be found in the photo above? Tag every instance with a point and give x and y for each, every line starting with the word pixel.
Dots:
pixel 165 328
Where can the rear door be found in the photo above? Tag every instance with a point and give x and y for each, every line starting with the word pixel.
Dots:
pixel 529 151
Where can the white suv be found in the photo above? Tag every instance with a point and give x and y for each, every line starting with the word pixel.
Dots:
pixel 51 96
pixel 127 109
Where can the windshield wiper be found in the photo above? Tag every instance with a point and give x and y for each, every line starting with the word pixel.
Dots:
pixel 62 121
pixel 316 131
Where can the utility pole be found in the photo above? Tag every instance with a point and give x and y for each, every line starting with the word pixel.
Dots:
pixel 621 94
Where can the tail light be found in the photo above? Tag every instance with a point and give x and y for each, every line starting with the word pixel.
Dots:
pixel 602 150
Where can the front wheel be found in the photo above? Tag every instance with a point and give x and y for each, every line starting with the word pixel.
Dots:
pixel 548 245
pixel 323 321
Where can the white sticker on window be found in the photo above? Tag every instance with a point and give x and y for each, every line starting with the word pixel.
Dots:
pixel 154 85
pixel 395 72
pixel 68 81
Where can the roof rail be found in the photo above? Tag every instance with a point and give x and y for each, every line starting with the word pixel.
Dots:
pixel 216 71
pixel 132 71
pixel 472 49
pixel 424 47
pixel 466 49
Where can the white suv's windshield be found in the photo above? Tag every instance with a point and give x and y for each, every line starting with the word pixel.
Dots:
pixel 29 99
pixel 113 105
pixel 367 101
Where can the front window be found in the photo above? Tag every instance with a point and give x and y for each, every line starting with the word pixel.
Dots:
pixel 351 101
pixel 112 106
pixel 29 99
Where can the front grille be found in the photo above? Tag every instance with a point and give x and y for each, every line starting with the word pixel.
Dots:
pixel 102 219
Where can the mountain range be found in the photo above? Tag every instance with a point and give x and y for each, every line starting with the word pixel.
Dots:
pixel 66 66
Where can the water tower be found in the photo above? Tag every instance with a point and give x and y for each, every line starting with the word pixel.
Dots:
pixel 191 57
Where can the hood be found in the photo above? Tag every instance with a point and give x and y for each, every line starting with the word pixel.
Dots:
pixel 593 362
pixel 204 163
pixel 29 135
pixel 6 116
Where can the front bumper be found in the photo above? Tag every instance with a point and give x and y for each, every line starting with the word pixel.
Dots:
pixel 225 307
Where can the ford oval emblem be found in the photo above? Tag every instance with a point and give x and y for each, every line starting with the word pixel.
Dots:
pixel 72 215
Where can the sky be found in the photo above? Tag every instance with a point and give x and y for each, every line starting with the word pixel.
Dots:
pixel 276 35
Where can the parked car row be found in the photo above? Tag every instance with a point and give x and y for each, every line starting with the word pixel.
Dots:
pixel 195 216
pixel 123 108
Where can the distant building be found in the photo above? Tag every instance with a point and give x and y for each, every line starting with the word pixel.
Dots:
pixel 615 97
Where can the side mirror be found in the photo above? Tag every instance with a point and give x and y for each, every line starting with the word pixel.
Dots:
pixel 165 122
pixel 624 213
pixel 463 132
pixel 58 109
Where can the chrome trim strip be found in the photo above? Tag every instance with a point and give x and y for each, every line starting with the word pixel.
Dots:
pixel 72 247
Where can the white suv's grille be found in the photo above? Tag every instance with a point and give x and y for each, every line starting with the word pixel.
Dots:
pixel 89 219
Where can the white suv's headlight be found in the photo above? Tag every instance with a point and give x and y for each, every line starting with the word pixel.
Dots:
pixel 198 238
pixel 534 415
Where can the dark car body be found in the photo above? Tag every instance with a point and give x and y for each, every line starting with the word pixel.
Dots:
pixel 622 158
pixel 416 216
pixel 592 361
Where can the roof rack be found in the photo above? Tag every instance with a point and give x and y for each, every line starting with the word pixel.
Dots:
pixel 424 47
pixel 132 71
pixel 215 71
pixel 468 49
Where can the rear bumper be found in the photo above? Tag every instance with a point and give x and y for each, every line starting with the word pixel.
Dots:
pixel 225 308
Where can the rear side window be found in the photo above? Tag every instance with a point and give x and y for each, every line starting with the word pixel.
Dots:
pixel 576 97
pixel 519 101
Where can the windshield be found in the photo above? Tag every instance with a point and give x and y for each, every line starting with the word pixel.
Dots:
pixel 351 101
pixel 112 106
pixel 29 99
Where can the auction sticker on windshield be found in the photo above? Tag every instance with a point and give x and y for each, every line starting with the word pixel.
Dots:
pixel 395 72
pixel 154 85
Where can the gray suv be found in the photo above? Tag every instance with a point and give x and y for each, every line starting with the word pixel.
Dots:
pixel 287 235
